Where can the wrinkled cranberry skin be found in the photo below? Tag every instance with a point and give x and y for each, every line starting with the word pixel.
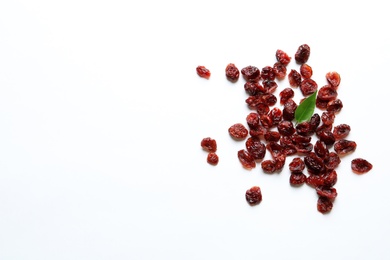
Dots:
pixel 238 131
pixel 314 164
pixel 308 87
pixel 304 129
pixel 251 73
pixel 209 144
pixel 327 137
pixel 334 79
pixel 232 72
pixel 297 178
pixel 327 93
pixel 360 166
pixel 253 120
pixel 254 88
pixel 268 166
pixel 253 196
pixel 324 205
pixel 282 57
pixel 341 131
pixel 303 53
pixel 332 161
pixel 330 193
pixel 344 146
pixel 262 109
pixel 321 150
pixel 306 71
pixel 289 110
pixel 267 73
pixel 328 118
pixel 203 72
pixel 272 136
pixel 270 86
pixel 286 127
pixel 212 158
pixel 334 106
pixel 285 95
pixel 246 159
pixel 280 70
pixel 294 78
pixel 296 165
pixel 256 148
pixel 276 115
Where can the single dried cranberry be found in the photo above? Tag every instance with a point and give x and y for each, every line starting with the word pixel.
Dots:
pixel 308 87
pixel 344 146
pixel 306 71
pixel 296 165
pixel 321 104
pixel 212 158
pixel 341 131
pixel 327 179
pixel 333 78
pixel 360 166
pixel 256 148
pixel 323 128
pixel 304 148
pixel 275 149
pixel 334 106
pixel 280 70
pixel 282 57
pixel 299 139
pixel 321 150
pixel 286 127
pixel 251 73
pixel 328 192
pixel 272 136
pixel 279 162
pixel 332 161
pixel 324 205
pixel 232 72
pixel 268 166
pixel 285 95
pixel 246 159
pixel 314 164
pixel 270 86
pixel 304 129
pixel 328 118
pixel 302 54
pixel 297 178
pixel 238 131
pixel 294 78
pixel 267 73
pixel 327 137
pixel 203 72
pixel 314 121
pixel 253 120
pixel 254 88
pixel 253 196
pixel 266 121
pixel 259 131
pixel 289 110
pixel 327 93
pixel 209 144
pixel 276 115
pixel 269 99
pixel 262 109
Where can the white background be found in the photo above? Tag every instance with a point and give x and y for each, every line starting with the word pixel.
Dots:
pixel 102 114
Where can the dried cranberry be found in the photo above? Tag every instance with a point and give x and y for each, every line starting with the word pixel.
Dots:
pixel 297 178
pixel 254 88
pixel 272 136
pixel 253 196
pixel 285 95
pixel 327 93
pixel 314 164
pixel 268 166
pixel 341 131
pixel 266 121
pixel 258 131
pixel 251 73
pixel 296 165
pixel 328 192
pixel 304 148
pixel 280 70
pixel 308 87
pixel 324 205
pixel 267 73
pixel 332 161
pixel 203 72
pixel 321 104
pixel 321 150
pixel 209 144
pixel 328 118
pixel 238 131
pixel 304 129
pixel 294 78
pixel 286 127
pixel 344 146
pixel 246 159
pixel 270 86
pixel 360 166
pixel 232 72
pixel 282 57
pixel 262 109
pixel 314 121
pixel 289 110
pixel 333 78
pixel 253 120
pixel 334 106
pixel 212 158
pixel 256 148
pixel 275 149
pixel 327 137
pixel 306 71
pixel 276 115
pixel 302 54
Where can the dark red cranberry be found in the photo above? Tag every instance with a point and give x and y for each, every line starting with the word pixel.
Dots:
pixel 294 78
pixel 267 73
pixel 246 159
pixel 209 144
pixel 251 73
pixel 306 71
pixel 324 205
pixel 268 166
pixel 272 136
pixel 282 57
pixel 256 148
pixel 341 131
pixel 314 164
pixel 333 78
pixel 303 53
pixel 285 95
pixel 254 88
pixel 308 87
pixel 296 165
pixel 286 127
pixel 253 120
pixel 280 70
pixel 232 72
pixel 327 93
pixel 203 72
pixel 297 178
pixel 253 196
pixel 360 166
pixel 212 158
pixel 344 146
pixel 328 192
pixel 334 106
pixel 238 131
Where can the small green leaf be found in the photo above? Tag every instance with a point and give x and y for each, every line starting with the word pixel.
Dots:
pixel 306 109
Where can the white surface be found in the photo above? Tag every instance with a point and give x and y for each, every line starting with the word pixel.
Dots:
pixel 102 114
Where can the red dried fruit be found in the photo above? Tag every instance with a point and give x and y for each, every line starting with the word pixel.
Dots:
pixel 296 165
pixel 333 78
pixel 294 78
pixel 275 149
pixel 332 161
pixel 327 192
pixel 203 72
pixel 289 110
pixel 212 158
pixel 286 127
pixel 238 131
pixel 209 144
pixel 334 106
pixel 328 118
pixel 270 86
pixel 280 70
pixel 306 71
pixel 253 196
pixel 258 131
pixel 266 121
pixel 322 180
pixel 344 146
pixel 304 129
pixel 326 136
pixel 253 120
pixel 285 95
pixel 254 88
pixel 303 53
pixel 272 136
pixel 324 205
pixel 308 87
pixel 232 72
pixel 297 179
pixel 341 131
pixel 321 104
pixel 262 109
pixel 246 159
pixel 282 57
pixel 255 147
pixel 314 164
pixel 268 166
pixel 251 73
pixel 276 115
pixel 321 150
pixel 267 73
pixel 360 166
pixel 327 93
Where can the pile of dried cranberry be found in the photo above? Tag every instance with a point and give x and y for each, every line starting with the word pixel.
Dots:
pixel 273 129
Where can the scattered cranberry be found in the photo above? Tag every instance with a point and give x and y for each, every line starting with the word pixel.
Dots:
pixel 209 144
pixel 334 79
pixel 212 158
pixel 306 71
pixel 232 72
pixel 282 57
pixel 302 54
pixel 360 166
pixel 203 72
pixel 253 196
pixel 246 159
pixel 238 131
pixel 324 205
pixel 294 78
pixel 251 73
pixel 344 146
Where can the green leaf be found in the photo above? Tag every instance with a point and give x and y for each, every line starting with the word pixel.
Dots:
pixel 306 109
